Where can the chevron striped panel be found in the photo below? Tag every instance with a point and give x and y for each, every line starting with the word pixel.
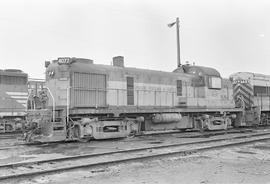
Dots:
pixel 245 90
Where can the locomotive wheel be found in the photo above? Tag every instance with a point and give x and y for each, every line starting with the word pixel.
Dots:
pixel 201 125
pixel 9 128
pixel 76 132
pixel 87 139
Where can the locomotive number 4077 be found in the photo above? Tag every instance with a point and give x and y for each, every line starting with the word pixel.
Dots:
pixel 64 60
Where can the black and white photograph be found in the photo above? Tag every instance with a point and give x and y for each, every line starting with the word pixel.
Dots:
pixel 134 91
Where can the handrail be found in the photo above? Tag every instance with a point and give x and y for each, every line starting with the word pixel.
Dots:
pixel 26 108
pixel 53 103
pixel 68 102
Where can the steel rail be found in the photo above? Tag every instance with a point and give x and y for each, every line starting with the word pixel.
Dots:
pixel 122 160
pixel 17 164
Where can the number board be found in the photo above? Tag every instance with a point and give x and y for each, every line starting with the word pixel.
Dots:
pixel 64 60
pixel 240 81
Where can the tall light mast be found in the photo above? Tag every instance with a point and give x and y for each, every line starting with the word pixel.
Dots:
pixel 178 40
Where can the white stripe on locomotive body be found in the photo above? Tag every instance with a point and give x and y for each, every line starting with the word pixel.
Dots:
pixel 20 97
pixel 22 101
pixel 17 93
pixel 12 114
pixel 144 94
pixel 142 86
pixel 165 95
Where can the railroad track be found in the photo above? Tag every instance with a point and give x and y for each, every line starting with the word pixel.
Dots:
pixel 41 167
pixel 188 132
pixel 178 134
pixel 10 136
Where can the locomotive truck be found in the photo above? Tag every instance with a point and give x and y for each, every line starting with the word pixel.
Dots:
pixel 87 100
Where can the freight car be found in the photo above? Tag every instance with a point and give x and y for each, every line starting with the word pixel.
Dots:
pixel 87 100
pixel 13 98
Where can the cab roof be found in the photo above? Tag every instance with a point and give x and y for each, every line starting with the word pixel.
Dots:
pixel 198 70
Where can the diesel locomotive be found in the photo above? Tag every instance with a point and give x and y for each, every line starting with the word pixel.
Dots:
pixel 254 91
pixel 13 98
pixel 93 101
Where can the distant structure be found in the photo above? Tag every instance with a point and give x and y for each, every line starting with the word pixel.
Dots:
pixel 36 89
pixel 35 85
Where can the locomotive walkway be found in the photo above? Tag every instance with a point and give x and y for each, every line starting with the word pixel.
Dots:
pixel 49 166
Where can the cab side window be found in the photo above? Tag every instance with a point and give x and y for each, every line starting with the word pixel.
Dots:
pixel 179 87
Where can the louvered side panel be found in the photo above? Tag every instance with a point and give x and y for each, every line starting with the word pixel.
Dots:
pixel 88 90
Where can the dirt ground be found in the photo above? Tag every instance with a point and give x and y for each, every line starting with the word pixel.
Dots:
pixel 245 164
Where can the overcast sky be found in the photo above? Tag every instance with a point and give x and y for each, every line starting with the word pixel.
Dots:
pixel 229 35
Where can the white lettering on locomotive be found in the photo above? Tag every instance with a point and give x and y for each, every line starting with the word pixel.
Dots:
pixel 64 60
pixel 50 73
pixel 241 81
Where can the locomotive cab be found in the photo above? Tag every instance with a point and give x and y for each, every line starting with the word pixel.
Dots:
pixel 203 76
pixel 208 90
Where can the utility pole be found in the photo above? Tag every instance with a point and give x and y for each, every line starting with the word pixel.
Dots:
pixel 178 40
pixel 178 43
